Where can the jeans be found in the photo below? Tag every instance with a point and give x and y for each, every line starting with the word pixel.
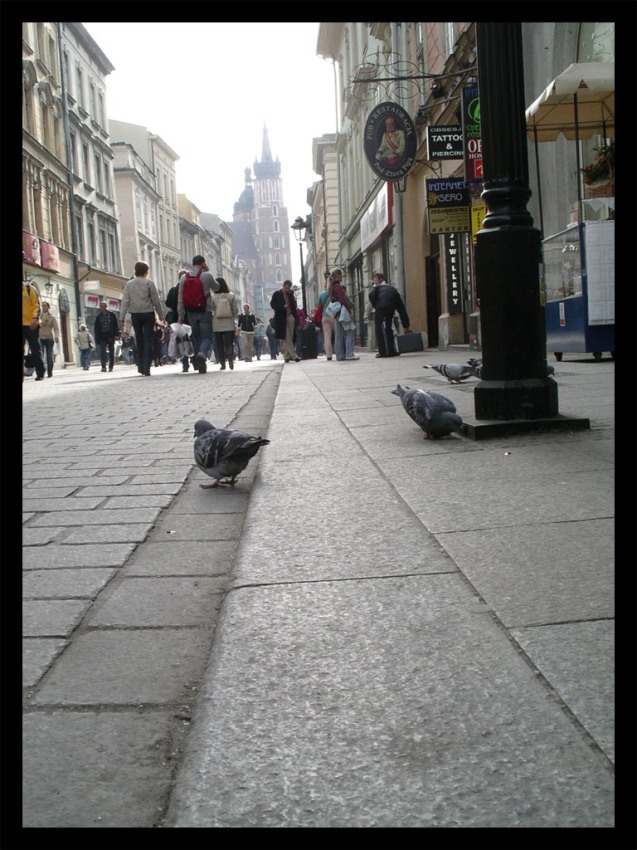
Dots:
pixel 33 338
pixel 201 324
pixel 107 346
pixel 273 342
pixel 345 342
pixel 258 345
pixel 85 357
pixel 143 325
pixel 47 350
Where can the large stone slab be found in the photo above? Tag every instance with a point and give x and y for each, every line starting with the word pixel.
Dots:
pixel 380 704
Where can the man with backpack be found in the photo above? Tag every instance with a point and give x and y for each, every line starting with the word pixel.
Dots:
pixel 194 299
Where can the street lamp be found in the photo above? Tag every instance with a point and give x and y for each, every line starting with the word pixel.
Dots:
pixel 299 227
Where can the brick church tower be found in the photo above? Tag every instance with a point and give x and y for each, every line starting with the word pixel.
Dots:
pixel 261 204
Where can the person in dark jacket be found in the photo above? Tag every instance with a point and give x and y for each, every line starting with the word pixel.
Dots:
pixel 106 331
pixel 284 305
pixel 386 300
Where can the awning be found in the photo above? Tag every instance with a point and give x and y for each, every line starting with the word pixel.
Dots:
pixel 557 110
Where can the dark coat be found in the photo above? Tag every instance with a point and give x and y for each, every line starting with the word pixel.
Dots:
pixel 112 326
pixel 277 302
pixel 386 299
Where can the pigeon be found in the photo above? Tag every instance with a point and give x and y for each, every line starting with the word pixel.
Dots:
pixel 453 372
pixel 475 365
pixel 223 452
pixel 432 412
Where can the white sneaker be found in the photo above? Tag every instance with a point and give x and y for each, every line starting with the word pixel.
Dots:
pixel 354 357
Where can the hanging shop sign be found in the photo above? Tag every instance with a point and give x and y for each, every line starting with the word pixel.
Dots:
pixel 454 273
pixel 390 141
pixel 450 220
pixel 377 217
pixel 445 142
pixel 472 134
pixel 447 193
pixel 478 214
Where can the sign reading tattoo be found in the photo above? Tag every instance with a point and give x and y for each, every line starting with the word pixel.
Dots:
pixel 390 141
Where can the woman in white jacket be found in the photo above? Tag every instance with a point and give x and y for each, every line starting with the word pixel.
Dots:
pixel 86 343
pixel 224 310
pixel 141 298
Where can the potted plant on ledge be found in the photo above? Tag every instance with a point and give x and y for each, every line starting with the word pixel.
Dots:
pixel 600 174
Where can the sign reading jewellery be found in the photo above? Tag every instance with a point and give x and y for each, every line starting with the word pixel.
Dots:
pixel 390 141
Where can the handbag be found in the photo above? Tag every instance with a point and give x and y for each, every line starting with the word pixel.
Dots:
pixel 333 309
pixel 317 315
pixel 185 347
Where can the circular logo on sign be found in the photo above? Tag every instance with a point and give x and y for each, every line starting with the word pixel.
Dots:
pixel 390 141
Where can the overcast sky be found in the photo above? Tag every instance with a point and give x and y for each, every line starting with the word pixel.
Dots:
pixel 208 89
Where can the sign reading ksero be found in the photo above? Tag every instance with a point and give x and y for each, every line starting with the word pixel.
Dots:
pixel 447 193
pixel 390 141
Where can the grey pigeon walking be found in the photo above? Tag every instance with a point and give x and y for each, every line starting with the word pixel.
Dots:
pixel 453 372
pixel 433 413
pixel 222 453
pixel 475 365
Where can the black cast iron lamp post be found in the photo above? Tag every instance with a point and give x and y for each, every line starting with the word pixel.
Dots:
pixel 515 387
pixel 299 227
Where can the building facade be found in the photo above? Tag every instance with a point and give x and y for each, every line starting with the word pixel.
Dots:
pixel 428 69
pixel 95 218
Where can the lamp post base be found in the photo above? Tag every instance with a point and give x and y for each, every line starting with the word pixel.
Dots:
pixel 484 430
pixel 528 398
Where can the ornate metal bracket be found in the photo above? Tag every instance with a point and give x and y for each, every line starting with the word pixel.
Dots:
pixel 395 77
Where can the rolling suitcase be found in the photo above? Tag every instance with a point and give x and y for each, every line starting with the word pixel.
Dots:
pixel 309 342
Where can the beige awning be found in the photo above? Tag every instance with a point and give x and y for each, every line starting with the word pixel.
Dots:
pixel 554 110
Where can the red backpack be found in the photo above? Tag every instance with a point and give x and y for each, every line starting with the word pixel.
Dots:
pixel 194 296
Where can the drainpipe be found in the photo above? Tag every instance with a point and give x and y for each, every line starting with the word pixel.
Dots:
pixel 399 245
pixel 69 161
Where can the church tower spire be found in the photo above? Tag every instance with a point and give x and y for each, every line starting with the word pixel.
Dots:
pixel 266 154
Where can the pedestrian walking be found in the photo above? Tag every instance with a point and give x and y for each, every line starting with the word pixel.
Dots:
pixel 49 336
pixel 386 300
pixel 224 310
pixel 105 330
pixel 273 342
pixel 258 338
pixel 247 322
pixel 86 343
pixel 345 331
pixel 31 330
pixel 141 298
pixel 284 305
pixel 194 298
